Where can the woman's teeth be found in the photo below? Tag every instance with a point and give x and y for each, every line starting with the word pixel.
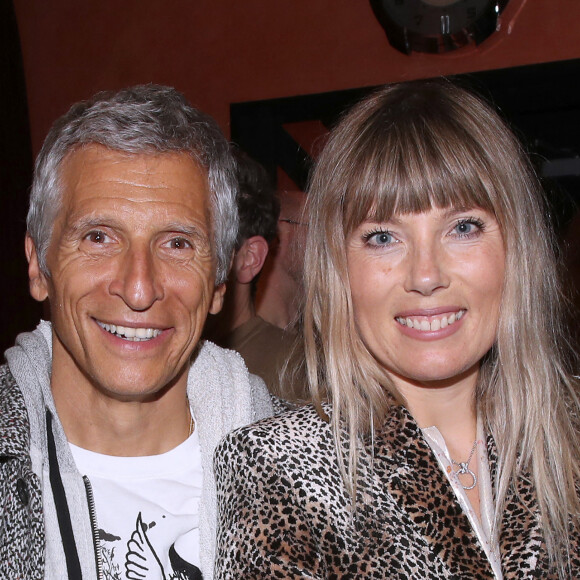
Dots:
pixel 435 323
pixel 130 333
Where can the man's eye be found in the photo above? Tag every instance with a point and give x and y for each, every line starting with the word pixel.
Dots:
pixel 97 237
pixel 179 244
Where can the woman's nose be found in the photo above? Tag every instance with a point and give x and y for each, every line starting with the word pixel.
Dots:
pixel 427 270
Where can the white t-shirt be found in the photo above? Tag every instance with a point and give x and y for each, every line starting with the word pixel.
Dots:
pixel 147 511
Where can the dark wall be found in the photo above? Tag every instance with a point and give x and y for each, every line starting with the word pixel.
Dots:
pixel 18 312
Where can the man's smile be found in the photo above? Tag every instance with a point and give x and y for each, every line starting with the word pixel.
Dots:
pixel 130 333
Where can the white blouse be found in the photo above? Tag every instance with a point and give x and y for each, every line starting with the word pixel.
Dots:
pixel 482 527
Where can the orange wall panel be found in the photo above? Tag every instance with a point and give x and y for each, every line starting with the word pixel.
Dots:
pixel 219 52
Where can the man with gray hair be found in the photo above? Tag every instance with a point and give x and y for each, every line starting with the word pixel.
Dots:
pixel 109 414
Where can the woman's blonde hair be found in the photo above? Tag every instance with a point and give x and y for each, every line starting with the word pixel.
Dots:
pixel 405 149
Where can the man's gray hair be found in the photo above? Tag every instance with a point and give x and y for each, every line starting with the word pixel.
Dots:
pixel 141 119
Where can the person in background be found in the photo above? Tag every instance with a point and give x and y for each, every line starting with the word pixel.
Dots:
pixel 280 289
pixel 110 415
pixel 444 438
pixel 264 346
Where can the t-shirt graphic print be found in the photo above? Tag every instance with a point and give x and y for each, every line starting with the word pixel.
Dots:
pixel 147 511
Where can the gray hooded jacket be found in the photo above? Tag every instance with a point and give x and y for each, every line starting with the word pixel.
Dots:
pixel 223 396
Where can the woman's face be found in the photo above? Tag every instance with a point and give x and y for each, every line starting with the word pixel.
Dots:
pixel 426 290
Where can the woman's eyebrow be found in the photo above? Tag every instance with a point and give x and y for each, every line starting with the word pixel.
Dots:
pixel 392 220
pixel 453 211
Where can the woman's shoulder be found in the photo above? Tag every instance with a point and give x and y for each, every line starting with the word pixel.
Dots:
pixel 288 431
pixel 294 450
pixel 304 420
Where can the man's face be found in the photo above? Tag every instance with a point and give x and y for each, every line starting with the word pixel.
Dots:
pixel 131 271
pixel 292 233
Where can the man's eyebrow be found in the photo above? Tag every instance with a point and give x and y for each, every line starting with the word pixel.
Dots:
pixel 108 221
pixel 186 229
pixel 92 221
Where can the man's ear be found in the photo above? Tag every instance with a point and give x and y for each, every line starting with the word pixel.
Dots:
pixel 217 300
pixel 36 278
pixel 249 259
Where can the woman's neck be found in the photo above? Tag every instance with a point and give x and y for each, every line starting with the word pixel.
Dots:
pixel 448 405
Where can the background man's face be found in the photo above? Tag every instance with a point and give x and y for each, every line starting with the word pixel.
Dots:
pixel 292 233
pixel 131 271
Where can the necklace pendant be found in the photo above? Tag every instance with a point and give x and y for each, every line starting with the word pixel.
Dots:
pixel 466 471
pixel 463 468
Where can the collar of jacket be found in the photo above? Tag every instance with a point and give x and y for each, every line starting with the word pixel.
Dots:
pixel 14 442
pixel 405 469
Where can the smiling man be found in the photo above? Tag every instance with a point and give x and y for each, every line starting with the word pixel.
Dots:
pixel 110 415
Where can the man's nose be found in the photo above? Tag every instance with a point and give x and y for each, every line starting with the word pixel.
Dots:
pixel 427 270
pixel 138 280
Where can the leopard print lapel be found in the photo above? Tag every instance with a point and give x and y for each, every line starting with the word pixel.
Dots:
pixel 521 545
pixel 409 473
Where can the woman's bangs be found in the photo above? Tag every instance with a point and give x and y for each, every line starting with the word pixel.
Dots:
pixel 415 181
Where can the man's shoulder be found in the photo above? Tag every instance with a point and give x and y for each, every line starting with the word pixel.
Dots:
pixel 220 378
pixel 9 391
pixel 219 362
pixel 209 350
pixel 14 428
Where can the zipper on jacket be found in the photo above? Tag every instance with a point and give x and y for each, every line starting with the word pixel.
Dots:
pixel 95 529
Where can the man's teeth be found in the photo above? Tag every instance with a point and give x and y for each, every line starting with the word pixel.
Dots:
pixel 130 333
pixel 421 322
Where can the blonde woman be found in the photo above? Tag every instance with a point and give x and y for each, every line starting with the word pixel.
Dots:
pixel 444 440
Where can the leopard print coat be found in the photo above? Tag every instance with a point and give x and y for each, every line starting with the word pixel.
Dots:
pixel 284 512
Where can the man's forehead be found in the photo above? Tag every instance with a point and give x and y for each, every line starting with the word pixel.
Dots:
pixel 139 194
pixel 98 171
pixel 95 152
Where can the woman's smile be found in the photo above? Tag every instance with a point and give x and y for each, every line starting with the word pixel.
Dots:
pixel 427 321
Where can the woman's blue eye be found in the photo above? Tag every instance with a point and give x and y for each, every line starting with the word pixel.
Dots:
pixel 468 227
pixel 379 238
pixel 383 238
pixel 464 227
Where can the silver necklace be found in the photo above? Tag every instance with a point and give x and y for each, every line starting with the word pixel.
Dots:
pixel 464 468
pixel 191 421
pixel 191 425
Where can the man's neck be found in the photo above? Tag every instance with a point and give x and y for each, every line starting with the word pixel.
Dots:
pixel 99 423
pixel 239 305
